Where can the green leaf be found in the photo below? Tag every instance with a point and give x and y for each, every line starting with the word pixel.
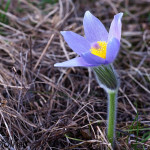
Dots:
pixel 107 77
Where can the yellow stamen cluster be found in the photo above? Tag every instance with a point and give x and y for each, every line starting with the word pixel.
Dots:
pixel 99 49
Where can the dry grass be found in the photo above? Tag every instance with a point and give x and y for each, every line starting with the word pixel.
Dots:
pixel 47 108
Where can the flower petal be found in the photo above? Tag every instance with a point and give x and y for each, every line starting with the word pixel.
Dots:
pixel 93 59
pixel 75 62
pixel 76 42
pixel 94 29
pixel 115 27
pixel 112 50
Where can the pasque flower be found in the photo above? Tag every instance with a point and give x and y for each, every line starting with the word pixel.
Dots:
pixel 98 46
pixel 98 49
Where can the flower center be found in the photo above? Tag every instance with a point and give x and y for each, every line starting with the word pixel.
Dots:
pixel 99 49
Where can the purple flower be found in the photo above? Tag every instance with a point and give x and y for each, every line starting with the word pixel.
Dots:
pixel 98 46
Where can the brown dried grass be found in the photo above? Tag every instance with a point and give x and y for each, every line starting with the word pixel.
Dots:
pixel 43 107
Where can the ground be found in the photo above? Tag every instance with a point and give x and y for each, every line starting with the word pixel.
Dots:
pixel 43 107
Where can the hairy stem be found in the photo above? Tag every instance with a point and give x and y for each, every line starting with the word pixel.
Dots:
pixel 112 98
